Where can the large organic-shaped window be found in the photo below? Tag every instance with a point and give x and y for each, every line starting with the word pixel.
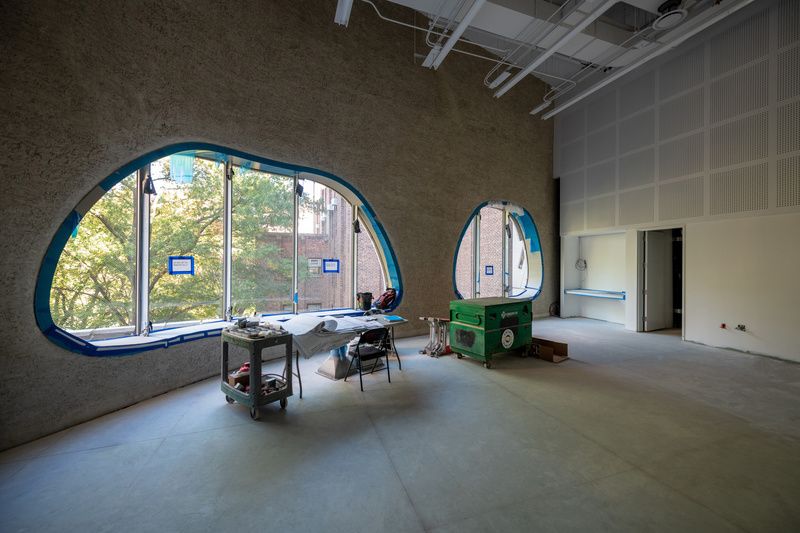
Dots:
pixel 499 254
pixel 201 236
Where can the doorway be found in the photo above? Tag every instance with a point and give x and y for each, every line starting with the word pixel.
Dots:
pixel 662 280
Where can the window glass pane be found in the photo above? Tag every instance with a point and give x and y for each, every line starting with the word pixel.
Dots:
pixel 186 223
pixel 325 233
pixel 465 263
pixel 370 272
pixel 262 242
pixel 518 260
pixel 93 282
pixel 491 252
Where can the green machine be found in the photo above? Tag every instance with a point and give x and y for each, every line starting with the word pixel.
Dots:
pixel 483 327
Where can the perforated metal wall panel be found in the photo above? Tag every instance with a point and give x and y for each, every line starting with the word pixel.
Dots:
pixel 681 157
pixel 637 169
pixel 601 145
pixel 788 27
pixel 789 73
pixel 739 141
pixel 636 95
pixel 789 128
pixel 572 185
pixel 740 92
pixel 572 156
pixel 573 125
pixel 602 178
pixel 789 181
pixel 681 199
pixel 741 44
pixel 740 190
pixel 682 73
pixel 717 124
pixel 636 207
pixel 636 132
pixel 681 115
pixel 602 112
pixel 571 217
pixel 601 212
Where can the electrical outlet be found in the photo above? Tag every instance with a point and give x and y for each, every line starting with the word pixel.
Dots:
pixel 741 327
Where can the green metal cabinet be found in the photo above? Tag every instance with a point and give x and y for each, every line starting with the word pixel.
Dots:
pixel 483 327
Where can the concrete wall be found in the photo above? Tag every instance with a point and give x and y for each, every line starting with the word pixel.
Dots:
pixel 745 272
pixel 90 86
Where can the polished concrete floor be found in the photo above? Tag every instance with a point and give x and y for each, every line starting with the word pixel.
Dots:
pixel 636 432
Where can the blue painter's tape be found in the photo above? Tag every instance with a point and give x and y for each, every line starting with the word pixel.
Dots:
pixel 47 269
pixel 529 231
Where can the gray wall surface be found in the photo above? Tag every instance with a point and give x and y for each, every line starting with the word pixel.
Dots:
pixel 89 86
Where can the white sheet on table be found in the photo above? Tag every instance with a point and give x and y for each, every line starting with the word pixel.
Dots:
pixel 314 334
pixel 302 324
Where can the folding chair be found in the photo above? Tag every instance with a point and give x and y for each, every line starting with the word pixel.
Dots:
pixel 371 347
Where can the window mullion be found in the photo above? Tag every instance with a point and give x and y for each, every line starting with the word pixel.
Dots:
pixel 142 277
pixel 295 244
pixel 354 256
pixel 227 213
pixel 476 257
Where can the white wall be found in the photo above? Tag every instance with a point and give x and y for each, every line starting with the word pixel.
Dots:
pixel 747 272
pixel 708 134
pixel 605 272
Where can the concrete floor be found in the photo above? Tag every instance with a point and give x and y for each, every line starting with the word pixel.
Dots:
pixel 636 432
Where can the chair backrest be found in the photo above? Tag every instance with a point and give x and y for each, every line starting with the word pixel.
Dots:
pixel 373 336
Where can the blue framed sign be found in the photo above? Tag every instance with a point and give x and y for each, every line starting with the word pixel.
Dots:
pixel 488 270
pixel 181 264
pixel 330 266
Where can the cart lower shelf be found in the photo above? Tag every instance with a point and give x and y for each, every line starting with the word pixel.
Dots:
pixel 255 403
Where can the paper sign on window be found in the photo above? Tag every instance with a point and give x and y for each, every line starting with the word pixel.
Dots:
pixel 181 264
pixel 330 266
pixel 489 270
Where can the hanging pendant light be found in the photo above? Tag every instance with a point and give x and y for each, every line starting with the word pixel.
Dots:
pixel 149 187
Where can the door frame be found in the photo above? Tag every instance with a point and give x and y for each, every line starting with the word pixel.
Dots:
pixel 640 275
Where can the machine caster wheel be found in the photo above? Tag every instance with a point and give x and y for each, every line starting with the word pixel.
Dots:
pixel 254 413
pixel 487 364
pixel 283 403
pixel 459 356
pixel 229 399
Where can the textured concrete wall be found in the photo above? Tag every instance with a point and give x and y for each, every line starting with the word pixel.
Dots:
pixel 89 86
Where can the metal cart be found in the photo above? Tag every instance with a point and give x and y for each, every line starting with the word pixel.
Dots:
pixel 254 399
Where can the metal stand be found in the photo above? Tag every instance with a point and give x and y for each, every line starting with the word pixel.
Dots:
pixel 438 337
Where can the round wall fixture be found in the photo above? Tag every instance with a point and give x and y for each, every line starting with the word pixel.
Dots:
pixel 670 19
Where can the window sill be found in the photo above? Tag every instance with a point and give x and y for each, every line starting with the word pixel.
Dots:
pixel 165 338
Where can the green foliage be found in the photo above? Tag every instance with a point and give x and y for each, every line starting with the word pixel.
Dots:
pixel 94 279
pixel 186 219
pixel 93 282
pixel 262 220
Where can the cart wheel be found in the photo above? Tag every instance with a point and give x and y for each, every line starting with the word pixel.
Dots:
pixel 459 356
pixel 254 413
pixel 229 399
pixel 283 403
pixel 487 364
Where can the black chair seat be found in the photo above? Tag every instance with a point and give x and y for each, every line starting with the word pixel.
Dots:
pixel 368 353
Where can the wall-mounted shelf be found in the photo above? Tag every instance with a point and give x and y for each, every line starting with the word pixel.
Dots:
pixel 596 293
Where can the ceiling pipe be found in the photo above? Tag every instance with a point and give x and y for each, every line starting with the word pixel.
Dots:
pixel 458 32
pixel 343 9
pixel 713 19
pixel 564 39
